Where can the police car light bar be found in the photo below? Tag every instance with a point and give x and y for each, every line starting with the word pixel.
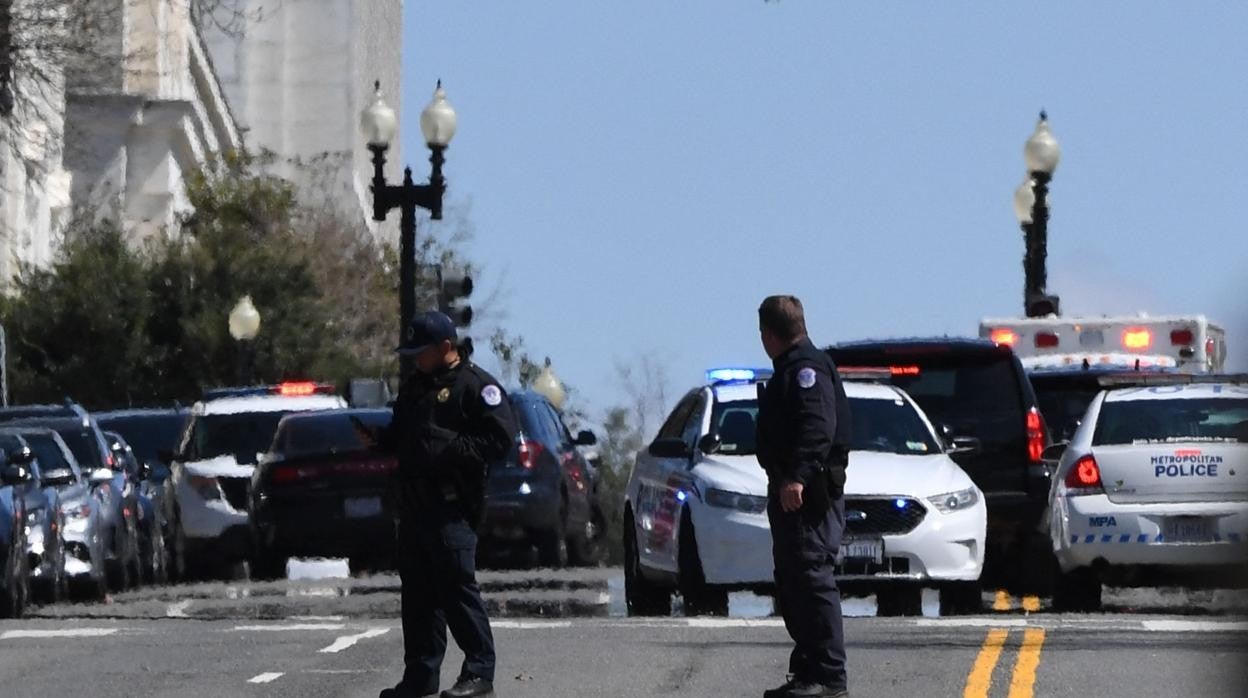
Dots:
pixel 1149 379
pixel 737 375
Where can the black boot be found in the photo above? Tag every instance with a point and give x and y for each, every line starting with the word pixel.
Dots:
pixel 805 689
pixel 470 687
pixel 782 691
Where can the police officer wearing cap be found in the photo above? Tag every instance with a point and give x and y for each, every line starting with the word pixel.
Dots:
pixel 803 444
pixel 450 420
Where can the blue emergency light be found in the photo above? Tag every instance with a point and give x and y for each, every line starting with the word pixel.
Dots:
pixel 737 375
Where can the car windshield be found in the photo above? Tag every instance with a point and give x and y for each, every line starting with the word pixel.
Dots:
pixel 148 434
pixel 1167 421
pixel 883 426
pixel 325 434
pixel 83 445
pixel 241 435
pixel 56 470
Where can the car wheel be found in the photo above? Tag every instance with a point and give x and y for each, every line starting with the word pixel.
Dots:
pixel 699 598
pixel 12 603
pixel 552 545
pixel 588 545
pixel 899 601
pixel 641 597
pixel 1078 590
pixel 136 556
pixel 961 598
pixel 269 564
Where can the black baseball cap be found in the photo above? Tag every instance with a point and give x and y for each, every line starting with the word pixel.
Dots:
pixel 426 330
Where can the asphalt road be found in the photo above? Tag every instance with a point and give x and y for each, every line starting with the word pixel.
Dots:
pixel 1138 656
pixel 318 635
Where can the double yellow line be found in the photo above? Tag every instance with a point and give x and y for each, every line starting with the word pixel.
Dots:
pixel 1022 681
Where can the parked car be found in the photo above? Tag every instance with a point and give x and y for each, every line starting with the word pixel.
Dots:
pixel 153 553
pixel 1151 490
pixel 320 492
pixel 45 547
pixel 83 508
pixel 227 433
pixel 117 487
pixel 542 494
pixel 696 506
pixel 14 566
pixel 151 433
pixel 978 395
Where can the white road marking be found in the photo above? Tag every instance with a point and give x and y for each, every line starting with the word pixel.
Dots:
pixel 529 624
pixel 266 677
pixel 315 618
pixel 731 622
pixel 68 632
pixel 346 641
pixel 1188 626
pixel 971 622
pixel 178 610
pixel 292 626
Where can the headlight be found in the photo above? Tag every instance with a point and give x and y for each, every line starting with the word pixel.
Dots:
pixel 746 503
pixel 955 501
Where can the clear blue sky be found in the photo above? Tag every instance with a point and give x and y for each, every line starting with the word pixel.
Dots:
pixel 641 174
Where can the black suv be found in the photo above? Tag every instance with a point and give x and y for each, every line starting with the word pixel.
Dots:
pixel 1065 393
pixel 977 394
pixel 544 493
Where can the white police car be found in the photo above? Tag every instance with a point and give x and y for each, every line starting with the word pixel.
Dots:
pixel 1153 489
pixel 227 433
pixel 696 505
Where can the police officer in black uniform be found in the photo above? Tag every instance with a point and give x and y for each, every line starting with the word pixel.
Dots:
pixel 803 440
pixel 450 420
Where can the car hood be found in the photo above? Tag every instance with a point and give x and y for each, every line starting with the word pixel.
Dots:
pixel 733 473
pixel 873 473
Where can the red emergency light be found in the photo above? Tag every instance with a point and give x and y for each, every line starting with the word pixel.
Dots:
pixel 1004 335
pixel 297 388
pixel 1046 340
pixel 1181 338
pixel 1137 338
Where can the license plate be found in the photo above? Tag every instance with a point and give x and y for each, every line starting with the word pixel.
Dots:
pixel 362 507
pixel 1188 529
pixel 871 549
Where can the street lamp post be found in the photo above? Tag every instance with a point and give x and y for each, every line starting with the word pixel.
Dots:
pixel 1041 154
pixel 437 125
pixel 244 326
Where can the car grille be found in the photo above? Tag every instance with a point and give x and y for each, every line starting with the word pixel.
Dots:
pixel 882 516
pixel 236 491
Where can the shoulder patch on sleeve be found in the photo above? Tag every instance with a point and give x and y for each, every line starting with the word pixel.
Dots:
pixel 806 378
pixel 491 395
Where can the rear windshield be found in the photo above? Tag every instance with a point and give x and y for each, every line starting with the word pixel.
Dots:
pixel 52 460
pixel 83 445
pixel 325 434
pixel 242 435
pixel 148 435
pixel 974 394
pixel 883 426
pixel 1063 405
pixel 1167 421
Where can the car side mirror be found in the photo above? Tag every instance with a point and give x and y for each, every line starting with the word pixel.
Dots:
pixel 965 446
pixel 709 444
pixel 21 456
pixel 670 447
pixel 145 470
pixel 15 474
pixel 586 438
pixel 100 476
pixel 1054 452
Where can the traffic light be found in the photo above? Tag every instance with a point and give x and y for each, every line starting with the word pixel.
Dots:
pixel 454 287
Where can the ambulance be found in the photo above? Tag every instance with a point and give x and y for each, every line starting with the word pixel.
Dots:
pixel 1184 343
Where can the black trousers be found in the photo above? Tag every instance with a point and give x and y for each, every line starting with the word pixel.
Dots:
pixel 804 546
pixel 437 568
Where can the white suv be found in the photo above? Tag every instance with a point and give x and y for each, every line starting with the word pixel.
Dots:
pixel 212 468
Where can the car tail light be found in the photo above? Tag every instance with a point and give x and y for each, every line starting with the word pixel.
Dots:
pixel 1084 477
pixel 1181 338
pixel 1047 340
pixel 297 389
pixel 904 370
pixel 529 452
pixel 1035 435
pixel 1137 338
pixel 285 474
pixel 1004 335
